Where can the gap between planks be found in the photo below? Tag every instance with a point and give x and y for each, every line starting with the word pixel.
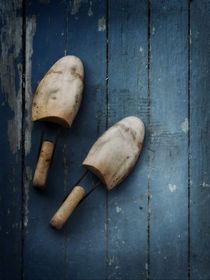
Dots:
pixel 23 134
pixel 107 125
pixel 147 267
pixel 189 147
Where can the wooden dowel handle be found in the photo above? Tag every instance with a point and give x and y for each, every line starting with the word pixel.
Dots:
pixel 68 206
pixel 43 165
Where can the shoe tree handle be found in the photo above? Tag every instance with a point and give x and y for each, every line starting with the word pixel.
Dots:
pixel 67 207
pixel 43 164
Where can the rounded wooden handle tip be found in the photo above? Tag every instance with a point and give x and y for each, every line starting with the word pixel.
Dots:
pixel 68 206
pixel 43 165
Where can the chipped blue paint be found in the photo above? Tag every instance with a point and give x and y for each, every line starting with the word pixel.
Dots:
pixel 128 95
pixel 10 139
pixel 168 147
pixel 85 230
pixel 44 249
pixel 136 57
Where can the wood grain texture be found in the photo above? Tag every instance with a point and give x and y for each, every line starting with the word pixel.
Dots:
pixel 168 147
pixel 44 250
pixel 43 165
pixel 200 139
pixel 68 206
pixel 114 154
pixel 59 94
pixel 144 58
pixel 128 95
pixel 85 230
pixel 10 143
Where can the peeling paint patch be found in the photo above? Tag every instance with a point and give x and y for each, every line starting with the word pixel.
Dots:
pixel 90 12
pixel 146 266
pixel 76 6
pixel 11 70
pixel 184 125
pixel 111 261
pixel 171 187
pixel 30 32
pixel 101 24
pixel 205 185
pixel 118 209
pixel 153 135
pixel 27 181
pixel 153 30
pixel 141 49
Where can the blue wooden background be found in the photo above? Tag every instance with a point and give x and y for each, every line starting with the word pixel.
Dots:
pixel 144 58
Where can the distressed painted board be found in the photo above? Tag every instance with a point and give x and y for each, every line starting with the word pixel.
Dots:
pixel 10 139
pixel 70 243
pixel 200 139
pixel 85 230
pixel 128 95
pixel 44 249
pixel 168 143
pixel 144 58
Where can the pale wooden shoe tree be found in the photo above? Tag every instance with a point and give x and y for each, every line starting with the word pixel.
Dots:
pixel 57 100
pixel 111 159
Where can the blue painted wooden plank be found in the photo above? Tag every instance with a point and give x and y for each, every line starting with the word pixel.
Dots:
pixel 128 95
pixel 10 143
pixel 85 230
pixel 200 139
pixel 44 249
pixel 168 156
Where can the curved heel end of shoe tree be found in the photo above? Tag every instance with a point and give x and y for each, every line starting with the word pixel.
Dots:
pixel 43 165
pixel 67 207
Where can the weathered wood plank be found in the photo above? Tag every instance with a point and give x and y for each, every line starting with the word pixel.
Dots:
pixel 54 28
pixel 128 95
pixel 44 249
pixel 85 230
pixel 200 139
pixel 168 147
pixel 10 144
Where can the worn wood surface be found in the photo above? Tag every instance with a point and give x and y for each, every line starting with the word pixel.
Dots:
pixel 144 58
pixel 41 54
pixel 128 95
pixel 11 140
pixel 168 143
